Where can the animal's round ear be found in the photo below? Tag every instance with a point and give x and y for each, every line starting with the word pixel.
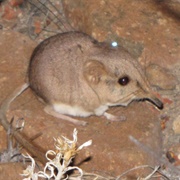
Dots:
pixel 94 71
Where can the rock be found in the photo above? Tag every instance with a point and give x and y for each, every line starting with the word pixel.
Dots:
pixel 161 77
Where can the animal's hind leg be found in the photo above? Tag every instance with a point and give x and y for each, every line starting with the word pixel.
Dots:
pixel 49 110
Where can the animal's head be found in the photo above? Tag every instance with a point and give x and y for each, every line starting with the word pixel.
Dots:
pixel 118 81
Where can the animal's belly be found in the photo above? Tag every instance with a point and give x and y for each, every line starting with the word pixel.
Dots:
pixel 71 110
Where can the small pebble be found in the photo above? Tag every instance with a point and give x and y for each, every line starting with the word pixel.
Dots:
pixel 176 125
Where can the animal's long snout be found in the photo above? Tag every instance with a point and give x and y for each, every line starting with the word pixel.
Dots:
pixel 147 94
pixel 155 101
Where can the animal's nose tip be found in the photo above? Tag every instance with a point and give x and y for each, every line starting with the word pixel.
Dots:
pixel 157 102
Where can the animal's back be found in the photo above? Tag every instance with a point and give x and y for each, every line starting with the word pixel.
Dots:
pixel 55 70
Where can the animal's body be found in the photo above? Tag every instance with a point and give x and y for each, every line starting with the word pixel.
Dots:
pixel 78 76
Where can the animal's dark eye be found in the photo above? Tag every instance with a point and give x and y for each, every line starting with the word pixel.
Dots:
pixel 124 80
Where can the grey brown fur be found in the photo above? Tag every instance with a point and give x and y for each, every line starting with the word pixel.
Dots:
pixel 76 75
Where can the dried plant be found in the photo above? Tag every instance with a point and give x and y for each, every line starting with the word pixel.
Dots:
pixel 12 153
pixel 58 166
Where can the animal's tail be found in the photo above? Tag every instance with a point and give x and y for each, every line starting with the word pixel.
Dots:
pixel 20 138
pixel 6 103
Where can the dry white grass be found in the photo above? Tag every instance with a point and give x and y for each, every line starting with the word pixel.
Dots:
pixel 58 166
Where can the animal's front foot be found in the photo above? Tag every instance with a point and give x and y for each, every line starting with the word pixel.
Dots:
pixel 114 118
